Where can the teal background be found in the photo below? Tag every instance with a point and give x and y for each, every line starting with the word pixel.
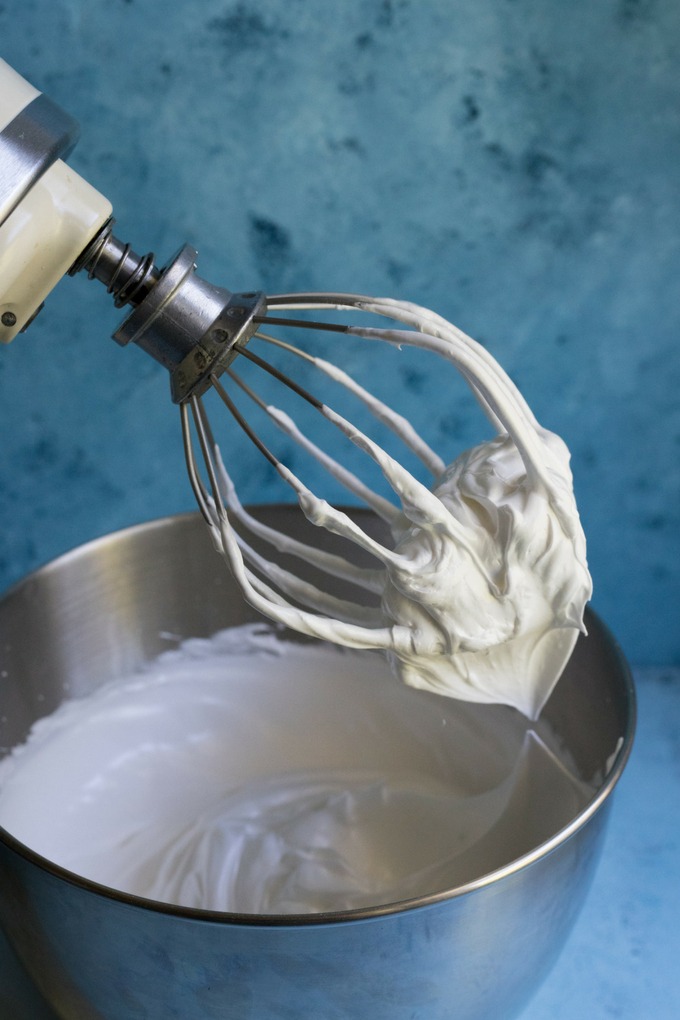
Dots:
pixel 512 164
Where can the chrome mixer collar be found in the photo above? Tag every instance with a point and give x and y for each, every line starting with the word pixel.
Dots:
pixel 190 326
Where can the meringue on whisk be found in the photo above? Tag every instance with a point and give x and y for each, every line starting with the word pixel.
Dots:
pixel 481 591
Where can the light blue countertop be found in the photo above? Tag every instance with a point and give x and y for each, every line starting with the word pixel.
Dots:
pixel 622 958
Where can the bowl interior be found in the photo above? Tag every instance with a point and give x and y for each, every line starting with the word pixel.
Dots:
pixel 109 607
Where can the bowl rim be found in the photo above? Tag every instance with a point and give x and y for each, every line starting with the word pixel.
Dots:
pixel 617 765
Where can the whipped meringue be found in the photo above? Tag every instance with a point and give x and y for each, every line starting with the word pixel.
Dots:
pixel 249 774
pixel 483 588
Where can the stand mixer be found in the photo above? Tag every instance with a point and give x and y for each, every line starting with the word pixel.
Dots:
pixel 501 519
pixel 466 560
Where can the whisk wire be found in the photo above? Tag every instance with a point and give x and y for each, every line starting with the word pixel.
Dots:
pixel 507 410
pixel 397 423
pixel 240 419
pixel 199 490
pixel 370 579
pixel 323 327
pixel 386 510
pixel 317 511
pixel 308 594
pixel 214 510
pixel 418 502
pixel 354 621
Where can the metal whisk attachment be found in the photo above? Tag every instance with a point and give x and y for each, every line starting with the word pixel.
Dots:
pixel 218 500
pixel 281 594
pixel 481 577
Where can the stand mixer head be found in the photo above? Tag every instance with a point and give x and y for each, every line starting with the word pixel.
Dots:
pixel 52 222
pixel 485 577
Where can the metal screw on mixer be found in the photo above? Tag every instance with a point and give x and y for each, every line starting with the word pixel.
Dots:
pixel 221 335
pixel 126 275
pixel 179 318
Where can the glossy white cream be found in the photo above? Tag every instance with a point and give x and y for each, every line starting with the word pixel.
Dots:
pixel 485 583
pixel 247 774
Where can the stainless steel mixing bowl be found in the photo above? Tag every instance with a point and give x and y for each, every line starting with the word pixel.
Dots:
pixel 473 953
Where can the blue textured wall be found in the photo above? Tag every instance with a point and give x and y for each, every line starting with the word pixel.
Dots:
pixel 511 163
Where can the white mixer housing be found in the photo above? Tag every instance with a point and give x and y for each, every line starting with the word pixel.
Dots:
pixel 48 213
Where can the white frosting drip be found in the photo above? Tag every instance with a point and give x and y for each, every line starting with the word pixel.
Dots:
pixel 250 775
pixel 484 589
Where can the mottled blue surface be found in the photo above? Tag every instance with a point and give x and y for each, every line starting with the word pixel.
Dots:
pixel 511 163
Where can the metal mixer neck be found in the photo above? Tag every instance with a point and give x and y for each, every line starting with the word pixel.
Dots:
pixel 126 275
pixel 53 222
pixel 192 327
